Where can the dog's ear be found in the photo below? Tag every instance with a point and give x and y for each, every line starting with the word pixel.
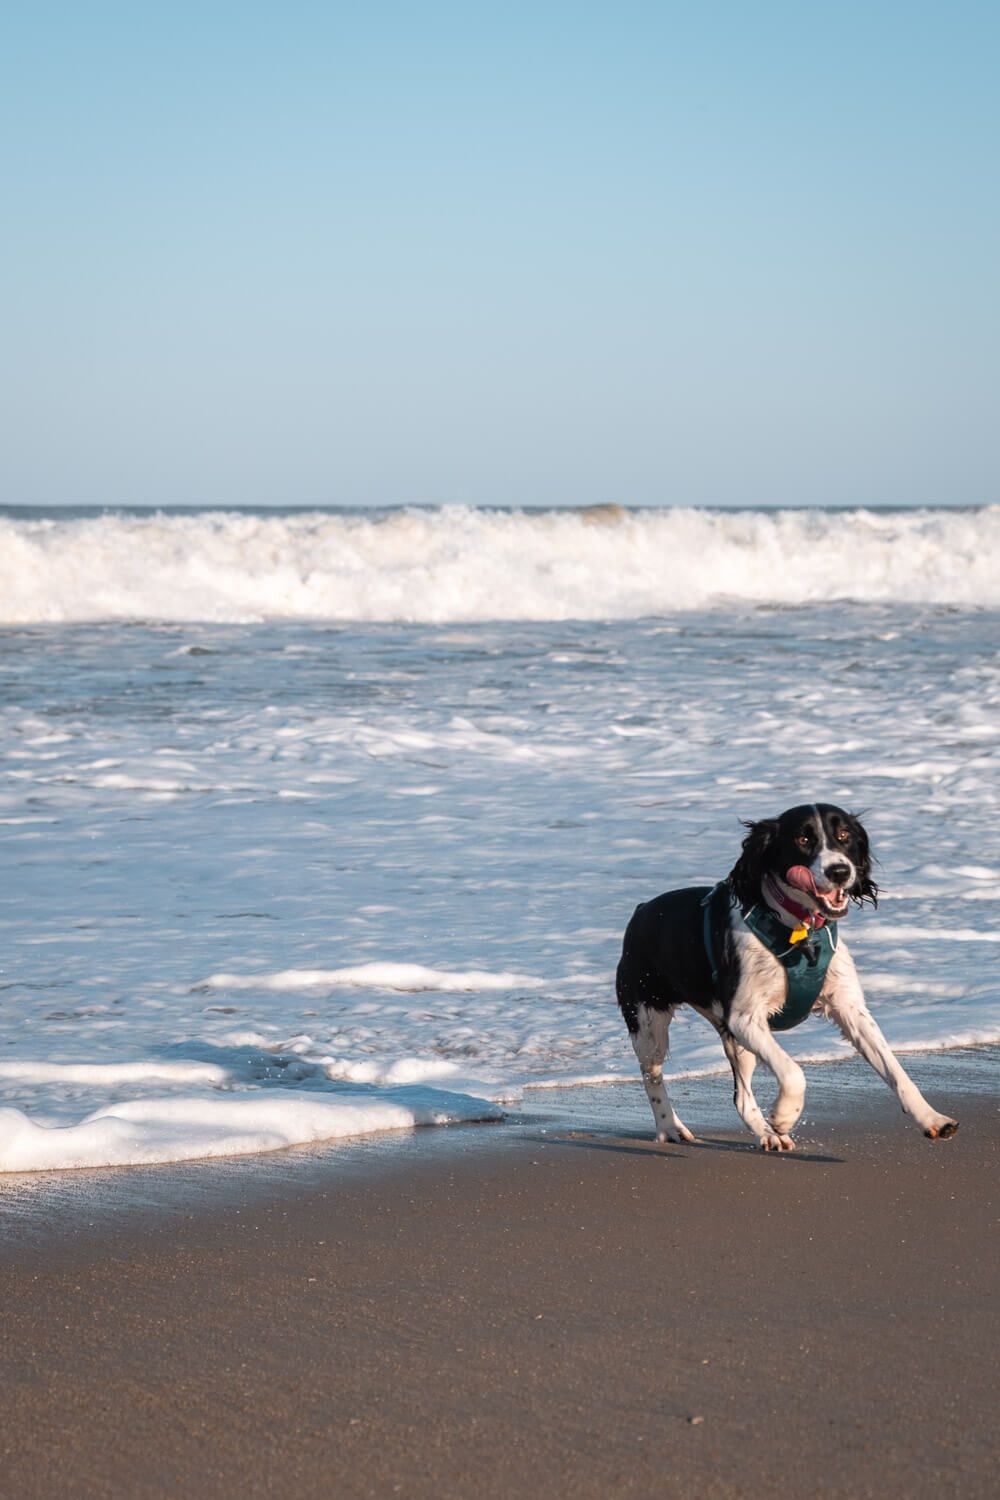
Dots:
pixel 864 888
pixel 748 871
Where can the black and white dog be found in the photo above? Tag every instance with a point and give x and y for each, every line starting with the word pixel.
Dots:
pixel 754 955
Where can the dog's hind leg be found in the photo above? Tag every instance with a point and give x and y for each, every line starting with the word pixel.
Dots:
pixel 650 1043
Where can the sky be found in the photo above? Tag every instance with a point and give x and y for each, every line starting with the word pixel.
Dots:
pixel 506 254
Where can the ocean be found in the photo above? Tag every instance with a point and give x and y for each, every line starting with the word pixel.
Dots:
pixel 319 823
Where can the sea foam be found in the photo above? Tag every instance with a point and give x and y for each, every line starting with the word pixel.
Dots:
pixel 457 564
pixel 189 1127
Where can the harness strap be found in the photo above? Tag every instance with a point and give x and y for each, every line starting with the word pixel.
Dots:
pixel 706 930
pixel 757 921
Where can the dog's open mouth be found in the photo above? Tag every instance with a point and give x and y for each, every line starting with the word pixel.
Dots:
pixel 831 902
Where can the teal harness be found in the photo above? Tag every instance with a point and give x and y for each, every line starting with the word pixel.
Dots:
pixel 805 963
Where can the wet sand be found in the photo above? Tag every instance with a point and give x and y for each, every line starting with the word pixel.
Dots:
pixel 556 1307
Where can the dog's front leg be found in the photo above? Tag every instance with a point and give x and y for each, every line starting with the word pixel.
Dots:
pixel 751 1032
pixel 844 1002
pixel 742 1061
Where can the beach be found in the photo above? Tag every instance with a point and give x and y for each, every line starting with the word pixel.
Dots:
pixel 549 1306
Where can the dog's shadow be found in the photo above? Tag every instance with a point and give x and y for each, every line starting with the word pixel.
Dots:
pixel 636 1145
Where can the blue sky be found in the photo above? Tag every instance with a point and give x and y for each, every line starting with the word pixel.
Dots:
pixel 716 253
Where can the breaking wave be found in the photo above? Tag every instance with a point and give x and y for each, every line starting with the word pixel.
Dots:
pixel 459 564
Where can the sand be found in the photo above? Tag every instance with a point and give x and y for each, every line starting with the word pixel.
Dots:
pixel 554 1308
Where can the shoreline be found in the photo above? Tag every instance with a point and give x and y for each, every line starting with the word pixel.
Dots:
pixel 544 1308
pixel 39 1207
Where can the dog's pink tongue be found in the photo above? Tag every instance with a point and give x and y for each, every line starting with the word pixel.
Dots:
pixel 802 879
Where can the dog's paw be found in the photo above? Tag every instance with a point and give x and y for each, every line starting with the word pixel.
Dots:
pixel 941 1128
pixel 773 1140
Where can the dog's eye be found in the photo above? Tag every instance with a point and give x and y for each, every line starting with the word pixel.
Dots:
pixel 842 836
pixel 803 841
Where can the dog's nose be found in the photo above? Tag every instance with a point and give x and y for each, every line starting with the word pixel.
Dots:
pixel 837 874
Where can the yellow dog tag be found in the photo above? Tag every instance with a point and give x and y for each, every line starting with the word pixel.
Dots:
pixel 799 933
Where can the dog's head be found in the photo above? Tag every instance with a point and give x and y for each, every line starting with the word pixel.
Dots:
pixel 817 851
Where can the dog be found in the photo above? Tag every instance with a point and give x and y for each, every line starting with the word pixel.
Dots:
pixel 755 955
